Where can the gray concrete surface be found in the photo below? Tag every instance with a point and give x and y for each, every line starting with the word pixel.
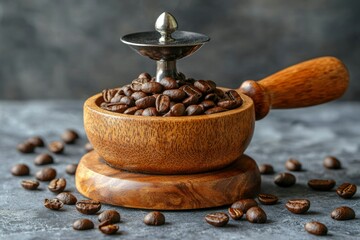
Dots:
pixel 307 134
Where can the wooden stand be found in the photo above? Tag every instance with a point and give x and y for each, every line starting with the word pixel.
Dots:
pixel 98 181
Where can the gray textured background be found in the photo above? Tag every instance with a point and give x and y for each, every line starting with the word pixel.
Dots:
pixel 71 49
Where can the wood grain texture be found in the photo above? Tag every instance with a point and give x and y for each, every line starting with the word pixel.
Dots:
pixel 305 84
pixel 96 180
pixel 169 145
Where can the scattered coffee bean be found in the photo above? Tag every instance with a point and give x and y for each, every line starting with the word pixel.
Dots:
pixel 285 180
pixel 256 215
pixel 57 185
pixel 46 174
pixel 53 204
pixel 154 219
pixel 30 184
pixel 56 147
pixel 316 228
pixel 83 224
pixel 267 199
pixel 88 147
pixel 235 213
pixel 266 169
pixel 293 165
pixel 109 215
pixel 107 228
pixel 244 204
pixel 43 159
pixel 69 136
pixel 71 169
pixel 88 206
pixel 343 213
pixel 20 170
pixel 346 190
pixel 321 184
pixel 25 147
pixel 332 162
pixel 36 141
pixel 217 219
pixel 67 198
pixel 298 206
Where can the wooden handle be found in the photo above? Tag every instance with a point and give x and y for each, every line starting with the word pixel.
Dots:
pixel 305 84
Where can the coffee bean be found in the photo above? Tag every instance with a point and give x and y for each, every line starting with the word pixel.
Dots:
pixel 26 147
pixel 71 169
pixel 148 101
pixel 115 107
pixel 266 169
pixel 88 147
pixel 117 98
pixel 67 198
pixel 175 94
pixel 217 219
pixel 138 95
pixel 88 206
pixel 177 110
pixel 205 86
pixel 20 170
pixel 131 111
pixel 191 90
pixel 162 103
pixel 43 159
pixel 150 111
pixel 212 97
pixel 30 184
pixel 244 204
pixel 256 215
pixel 193 110
pixel 57 185
pixel 316 228
pixel 234 95
pixel 139 112
pixel 127 90
pixel 53 204
pixel 346 190
pixel 46 174
pixel 108 94
pixel 332 162
pixel 343 213
pixel 152 87
pixel 109 215
pixel 69 136
pixel 36 141
pixel 136 86
pixel 298 206
pixel 285 180
pixel 267 199
pixel 206 104
pixel 220 93
pixel 169 83
pixel 321 184
pixel 191 100
pixel 228 104
pixel 107 228
pixel 154 219
pixel 293 165
pixel 56 147
pixel 83 224
pixel 215 110
pixel 235 213
pixel 145 75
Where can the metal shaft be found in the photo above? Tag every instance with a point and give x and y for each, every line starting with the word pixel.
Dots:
pixel 166 69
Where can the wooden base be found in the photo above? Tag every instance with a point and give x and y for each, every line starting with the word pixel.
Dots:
pixel 98 181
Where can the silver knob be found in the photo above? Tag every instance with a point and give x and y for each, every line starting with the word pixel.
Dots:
pixel 166 24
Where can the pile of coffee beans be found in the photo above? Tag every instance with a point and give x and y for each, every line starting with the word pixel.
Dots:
pixel 169 97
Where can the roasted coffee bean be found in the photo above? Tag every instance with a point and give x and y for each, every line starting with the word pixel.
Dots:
pixel 83 224
pixel 152 87
pixel 193 110
pixel 191 100
pixel 107 228
pixel 138 95
pixel 162 103
pixel 88 206
pixel 205 86
pixel 220 93
pixel 211 97
pixel 117 98
pixel 26 147
pixel 285 180
pixel 346 190
pixel 128 101
pixel 46 174
pixel 298 206
pixel 30 184
pixel 332 162
pixel 293 165
pixel 127 90
pixel 169 83
pixel 131 111
pixel 207 104
pixel 235 213
pixel 175 94
pixel 43 159
pixel 321 184
pixel 343 213
pixel 108 94
pixel 69 136
pixel 145 75
pixel 71 169
pixel 266 169
pixel 36 141
pixel 215 110
pixel 139 112
pixel 88 147
pixel 217 219
pixel 234 95
pixel 177 110
pixel 154 219
pixel 109 215
pixel 150 111
pixel 148 101
pixel 316 228
pixel 115 107
pixel 244 204
pixel 56 147
pixel 20 170
pixel 256 215
pixel 53 204
pixel 136 86
pixel 57 185
pixel 67 198
pixel 267 199
pixel 191 90
pixel 228 104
